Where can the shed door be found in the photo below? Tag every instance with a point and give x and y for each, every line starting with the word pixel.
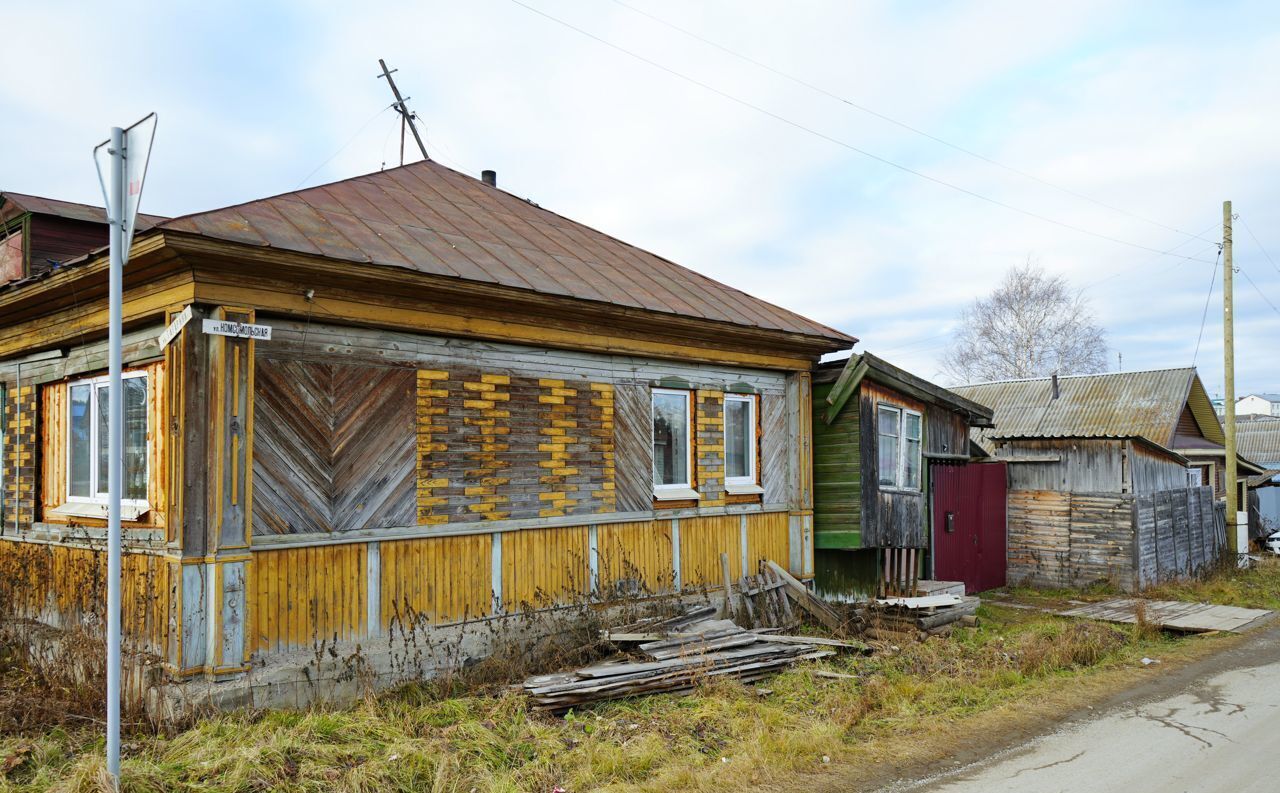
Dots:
pixel 969 524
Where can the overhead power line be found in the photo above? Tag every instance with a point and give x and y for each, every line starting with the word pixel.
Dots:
pixel 1205 316
pixel 1258 242
pixel 896 122
pixel 1265 299
pixel 845 144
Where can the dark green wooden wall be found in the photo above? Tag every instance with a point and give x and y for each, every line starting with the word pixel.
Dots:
pixel 837 480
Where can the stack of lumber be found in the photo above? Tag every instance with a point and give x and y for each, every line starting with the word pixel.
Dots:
pixel 670 656
pixel 898 619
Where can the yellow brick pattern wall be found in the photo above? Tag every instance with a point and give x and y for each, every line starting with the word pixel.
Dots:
pixel 709 446
pixel 19 469
pixel 432 406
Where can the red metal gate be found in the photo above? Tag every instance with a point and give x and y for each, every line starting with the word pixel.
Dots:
pixel 969 524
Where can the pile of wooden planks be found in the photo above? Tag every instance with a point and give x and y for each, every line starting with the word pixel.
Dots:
pixel 904 619
pixel 671 656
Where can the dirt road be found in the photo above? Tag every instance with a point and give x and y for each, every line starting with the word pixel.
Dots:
pixel 1212 726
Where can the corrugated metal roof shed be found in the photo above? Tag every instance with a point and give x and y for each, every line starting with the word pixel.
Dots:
pixel 1259 439
pixel 431 219
pixel 1115 405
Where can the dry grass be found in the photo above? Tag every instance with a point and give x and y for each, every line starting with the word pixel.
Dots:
pixel 1258 587
pixel 434 738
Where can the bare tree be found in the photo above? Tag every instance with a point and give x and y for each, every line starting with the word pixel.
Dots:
pixel 1032 325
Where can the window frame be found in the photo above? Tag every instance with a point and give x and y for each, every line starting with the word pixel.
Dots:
pixel 900 464
pixel 675 490
pixel 96 384
pixel 750 482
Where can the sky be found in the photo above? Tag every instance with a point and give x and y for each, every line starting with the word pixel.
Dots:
pixel 773 149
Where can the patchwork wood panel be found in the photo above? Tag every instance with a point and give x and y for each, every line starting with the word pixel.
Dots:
pixel 300 597
pixel 768 537
pixel 702 540
pixel 494 447
pixel 775 470
pixel 1039 529
pixel 542 567
pixel 635 556
pixel 333 447
pixel 436 580
pixel 633 448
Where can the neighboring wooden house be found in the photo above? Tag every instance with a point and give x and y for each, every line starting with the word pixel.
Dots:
pixel 1109 476
pixel 1258 438
pixel 879 434
pixel 467 405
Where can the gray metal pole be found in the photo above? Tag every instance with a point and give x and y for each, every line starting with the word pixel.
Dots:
pixel 115 451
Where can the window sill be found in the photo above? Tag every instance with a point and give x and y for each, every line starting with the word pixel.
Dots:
pixel 676 494
pixel 906 491
pixel 93 509
pixel 743 490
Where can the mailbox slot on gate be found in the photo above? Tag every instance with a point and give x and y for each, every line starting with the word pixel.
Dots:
pixel 950 527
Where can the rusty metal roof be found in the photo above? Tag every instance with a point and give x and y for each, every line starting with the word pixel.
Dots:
pixel 69 209
pixel 1258 438
pixel 431 219
pixel 1116 405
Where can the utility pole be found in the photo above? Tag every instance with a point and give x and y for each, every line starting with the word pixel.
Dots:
pixel 405 116
pixel 1229 375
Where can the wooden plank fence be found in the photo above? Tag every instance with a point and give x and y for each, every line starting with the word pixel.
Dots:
pixel 1059 539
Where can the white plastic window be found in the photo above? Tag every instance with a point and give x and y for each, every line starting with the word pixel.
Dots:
pixel 87 458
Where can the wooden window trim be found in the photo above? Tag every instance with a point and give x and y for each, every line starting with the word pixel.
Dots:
pixel 900 465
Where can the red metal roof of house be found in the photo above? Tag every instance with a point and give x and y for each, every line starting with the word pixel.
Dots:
pixel 431 219
pixel 69 209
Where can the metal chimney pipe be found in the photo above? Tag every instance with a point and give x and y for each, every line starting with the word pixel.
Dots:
pixel 1054 379
pixel 489 177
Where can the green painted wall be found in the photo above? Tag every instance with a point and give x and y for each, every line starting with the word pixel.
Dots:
pixel 846 576
pixel 837 479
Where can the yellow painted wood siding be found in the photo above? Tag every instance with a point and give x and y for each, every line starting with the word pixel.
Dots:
pixel 702 540
pixel 639 552
pixel 438 579
pixel 542 567
pixel 768 537
pixel 300 597
pixel 67 586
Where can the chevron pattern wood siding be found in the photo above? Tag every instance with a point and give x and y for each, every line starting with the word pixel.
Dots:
pixel 333 447
pixel 633 448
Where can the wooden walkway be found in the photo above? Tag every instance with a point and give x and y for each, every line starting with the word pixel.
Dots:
pixel 1173 615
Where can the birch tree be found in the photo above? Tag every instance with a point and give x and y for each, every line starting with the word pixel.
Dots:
pixel 1032 325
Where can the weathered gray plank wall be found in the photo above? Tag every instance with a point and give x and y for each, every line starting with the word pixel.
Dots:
pixel 1152 472
pixel 1059 539
pixel 1179 534
pixel 1085 466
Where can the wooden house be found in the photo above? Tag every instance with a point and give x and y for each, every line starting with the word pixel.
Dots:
pixel 883 438
pixel 406 397
pixel 1110 476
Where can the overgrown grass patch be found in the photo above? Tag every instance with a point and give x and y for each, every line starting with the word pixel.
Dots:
pixel 1258 587
pixel 439 737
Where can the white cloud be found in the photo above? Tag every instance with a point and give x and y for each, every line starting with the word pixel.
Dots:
pixel 1128 104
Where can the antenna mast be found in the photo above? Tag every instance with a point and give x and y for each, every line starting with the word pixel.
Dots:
pixel 406 117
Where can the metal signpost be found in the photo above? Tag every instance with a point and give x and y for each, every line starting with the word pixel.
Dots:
pixel 124 157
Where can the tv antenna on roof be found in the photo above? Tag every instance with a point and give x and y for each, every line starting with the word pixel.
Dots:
pixel 407 118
